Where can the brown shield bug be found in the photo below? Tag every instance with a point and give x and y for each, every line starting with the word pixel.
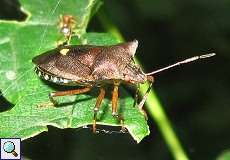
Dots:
pixel 96 66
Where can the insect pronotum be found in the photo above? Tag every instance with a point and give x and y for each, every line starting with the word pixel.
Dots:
pixel 96 66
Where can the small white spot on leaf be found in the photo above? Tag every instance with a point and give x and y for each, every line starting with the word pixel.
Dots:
pixel 11 75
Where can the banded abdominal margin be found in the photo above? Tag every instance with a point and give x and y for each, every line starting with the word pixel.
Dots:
pixel 49 77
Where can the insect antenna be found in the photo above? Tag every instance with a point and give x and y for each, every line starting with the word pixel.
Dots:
pixel 188 60
pixel 150 77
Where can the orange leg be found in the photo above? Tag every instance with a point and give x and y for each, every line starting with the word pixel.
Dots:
pixel 97 106
pixel 65 93
pixel 115 100
pixel 115 106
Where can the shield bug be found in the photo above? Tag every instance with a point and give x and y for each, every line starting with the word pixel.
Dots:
pixel 96 66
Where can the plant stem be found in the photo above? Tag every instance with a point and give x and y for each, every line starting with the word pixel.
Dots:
pixel 153 105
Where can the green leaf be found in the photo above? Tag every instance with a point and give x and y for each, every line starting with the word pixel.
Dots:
pixel 20 42
pixel 224 156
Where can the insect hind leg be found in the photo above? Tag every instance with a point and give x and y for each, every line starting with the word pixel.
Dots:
pixel 97 106
pixel 66 93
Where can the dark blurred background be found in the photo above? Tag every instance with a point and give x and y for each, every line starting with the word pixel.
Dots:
pixel 195 96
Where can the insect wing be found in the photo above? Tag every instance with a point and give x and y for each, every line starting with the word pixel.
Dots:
pixel 70 62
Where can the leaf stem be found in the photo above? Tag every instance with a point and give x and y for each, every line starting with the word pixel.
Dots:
pixel 153 105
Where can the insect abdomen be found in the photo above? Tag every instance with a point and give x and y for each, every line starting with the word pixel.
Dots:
pixel 52 78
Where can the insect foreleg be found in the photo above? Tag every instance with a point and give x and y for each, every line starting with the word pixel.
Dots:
pixel 136 95
pixel 141 104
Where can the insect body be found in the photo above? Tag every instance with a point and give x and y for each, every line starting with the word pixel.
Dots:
pixel 95 66
pixel 90 66
pixel 87 65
